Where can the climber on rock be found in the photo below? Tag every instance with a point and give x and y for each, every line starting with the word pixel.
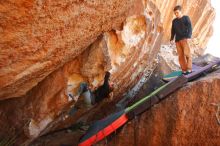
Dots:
pixel 182 30
pixel 93 97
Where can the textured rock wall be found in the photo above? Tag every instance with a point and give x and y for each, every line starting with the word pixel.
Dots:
pixel 48 48
pixel 38 37
pixel 43 36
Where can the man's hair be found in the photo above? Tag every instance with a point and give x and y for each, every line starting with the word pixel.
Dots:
pixel 107 75
pixel 178 7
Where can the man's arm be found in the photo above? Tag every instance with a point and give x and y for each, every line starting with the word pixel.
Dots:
pixel 172 32
pixel 189 26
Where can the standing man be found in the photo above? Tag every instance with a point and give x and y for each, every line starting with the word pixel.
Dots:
pixel 182 30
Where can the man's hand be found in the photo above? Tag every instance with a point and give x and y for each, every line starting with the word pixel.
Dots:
pixel 92 88
pixel 171 42
pixel 75 98
pixel 110 96
pixel 111 84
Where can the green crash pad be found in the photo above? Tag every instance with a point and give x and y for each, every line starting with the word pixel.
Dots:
pixel 172 75
pixel 195 70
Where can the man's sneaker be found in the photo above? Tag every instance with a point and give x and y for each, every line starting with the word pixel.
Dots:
pixel 189 72
pixel 184 73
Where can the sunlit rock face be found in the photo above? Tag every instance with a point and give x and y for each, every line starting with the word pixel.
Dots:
pixel 48 48
pixel 39 37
